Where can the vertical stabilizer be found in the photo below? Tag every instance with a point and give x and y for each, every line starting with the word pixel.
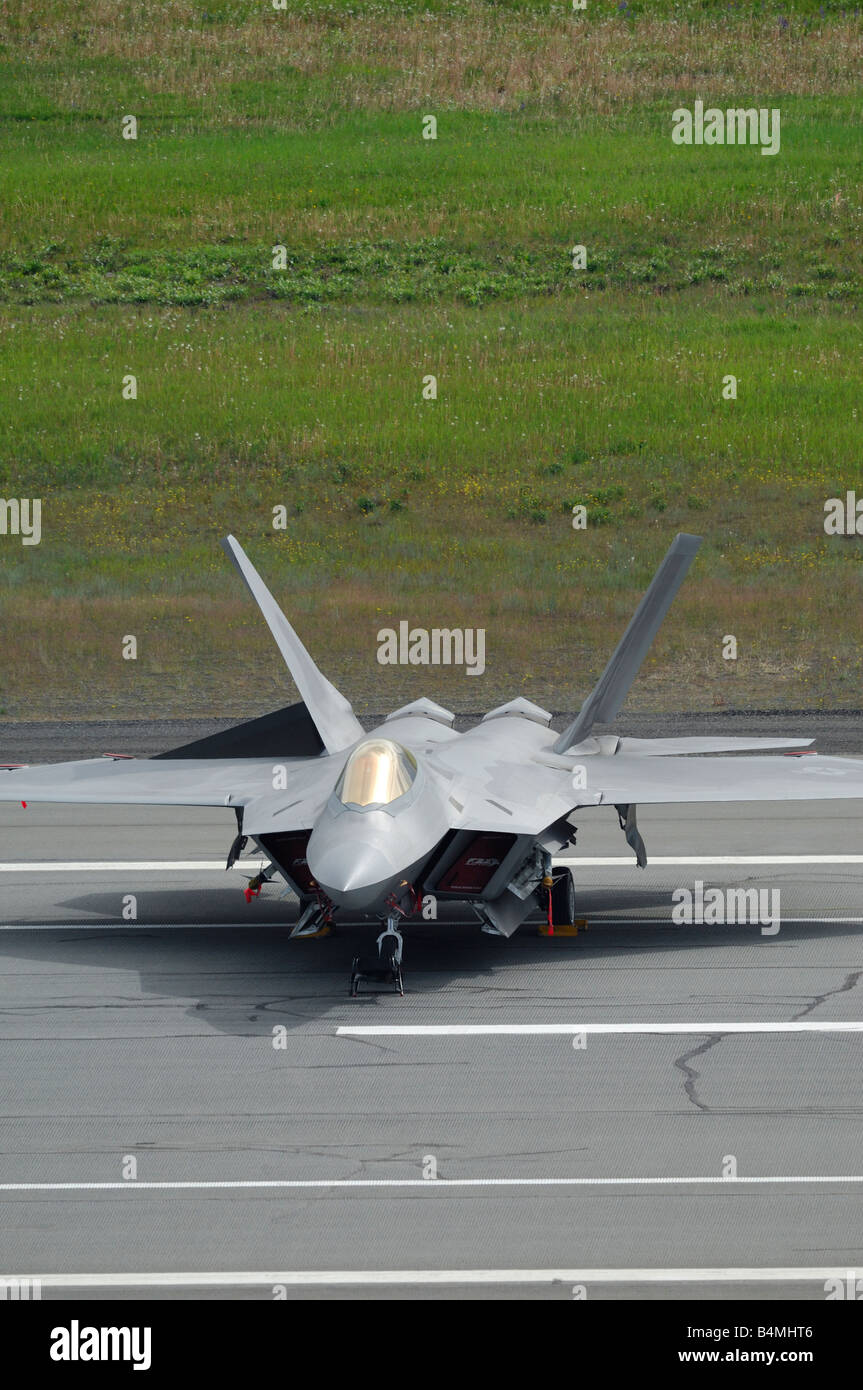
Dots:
pixel 334 718
pixel 612 688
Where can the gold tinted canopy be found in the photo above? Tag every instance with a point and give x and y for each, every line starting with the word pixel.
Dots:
pixel 377 772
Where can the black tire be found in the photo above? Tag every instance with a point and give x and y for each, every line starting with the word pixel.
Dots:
pixel 563 899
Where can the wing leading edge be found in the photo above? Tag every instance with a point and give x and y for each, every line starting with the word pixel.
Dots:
pixel 156 782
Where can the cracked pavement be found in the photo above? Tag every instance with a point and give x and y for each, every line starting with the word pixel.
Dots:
pixel 156 1039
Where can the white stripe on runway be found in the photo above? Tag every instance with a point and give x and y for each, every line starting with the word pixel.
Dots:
pixel 469 1030
pixel 596 919
pixel 107 866
pixel 659 861
pixel 251 925
pixel 339 1184
pixel 399 1277
pixel 259 924
pixel 103 866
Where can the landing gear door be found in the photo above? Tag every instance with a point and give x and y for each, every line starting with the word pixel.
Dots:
pixel 628 825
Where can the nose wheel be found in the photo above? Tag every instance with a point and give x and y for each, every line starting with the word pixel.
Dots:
pixel 386 966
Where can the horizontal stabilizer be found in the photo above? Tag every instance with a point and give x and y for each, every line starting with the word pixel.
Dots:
pixel 668 747
pixel 334 718
pixel 288 733
pixel 612 688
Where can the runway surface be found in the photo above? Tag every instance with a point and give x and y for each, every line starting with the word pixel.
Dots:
pixel 566 1161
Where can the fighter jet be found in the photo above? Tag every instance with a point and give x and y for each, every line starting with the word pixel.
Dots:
pixel 372 823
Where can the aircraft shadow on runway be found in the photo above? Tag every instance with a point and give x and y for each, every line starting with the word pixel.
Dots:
pixel 244 981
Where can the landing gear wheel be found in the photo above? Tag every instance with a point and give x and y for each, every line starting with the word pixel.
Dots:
pixel 563 900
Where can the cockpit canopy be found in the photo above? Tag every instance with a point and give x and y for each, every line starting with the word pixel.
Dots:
pixel 377 772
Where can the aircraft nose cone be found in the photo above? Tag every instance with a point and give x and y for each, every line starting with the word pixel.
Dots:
pixel 350 873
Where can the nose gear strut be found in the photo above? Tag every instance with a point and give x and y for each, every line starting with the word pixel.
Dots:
pixel 386 966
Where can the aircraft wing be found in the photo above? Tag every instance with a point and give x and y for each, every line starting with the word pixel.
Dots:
pixel 166 782
pixel 627 778
pixel 488 790
pixel 527 796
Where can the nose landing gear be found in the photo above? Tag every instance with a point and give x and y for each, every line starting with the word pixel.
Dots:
pixel 386 966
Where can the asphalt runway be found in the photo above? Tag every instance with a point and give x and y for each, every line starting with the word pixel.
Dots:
pixel 568 1163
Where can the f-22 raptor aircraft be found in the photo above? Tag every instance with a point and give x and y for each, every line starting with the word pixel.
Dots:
pixel 370 823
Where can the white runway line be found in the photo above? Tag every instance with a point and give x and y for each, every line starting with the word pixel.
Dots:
pixel 262 924
pixel 430 1277
pixel 104 866
pixel 429 1184
pixel 469 1030
pixel 597 920
pixel 250 925
pixel 107 866
pixel 659 861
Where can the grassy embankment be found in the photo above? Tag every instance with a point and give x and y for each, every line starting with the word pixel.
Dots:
pixel 407 257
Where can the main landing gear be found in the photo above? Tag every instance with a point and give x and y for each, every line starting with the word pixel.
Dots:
pixel 557 899
pixel 386 966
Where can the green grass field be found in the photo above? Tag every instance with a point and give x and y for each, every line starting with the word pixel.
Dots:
pixel 302 387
